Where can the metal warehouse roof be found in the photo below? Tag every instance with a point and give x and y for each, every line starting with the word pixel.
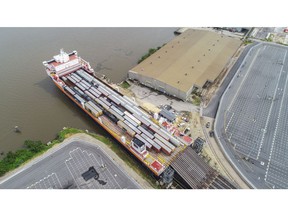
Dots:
pixel 168 115
pixel 190 59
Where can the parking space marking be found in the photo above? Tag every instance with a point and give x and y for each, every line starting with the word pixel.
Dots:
pixel 277 122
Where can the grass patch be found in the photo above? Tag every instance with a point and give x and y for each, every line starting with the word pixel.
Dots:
pixel 12 160
pixel 31 149
pixel 196 100
pixel 246 42
pixel 125 85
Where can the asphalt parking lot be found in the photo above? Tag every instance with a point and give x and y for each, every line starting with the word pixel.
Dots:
pixel 252 119
pixel 63 169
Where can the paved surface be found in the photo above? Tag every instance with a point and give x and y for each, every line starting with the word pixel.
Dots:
pixel 63 167
pixel 147 95
pixel 262 33
pixel 211 109
pixel 251 123
pixel 221 160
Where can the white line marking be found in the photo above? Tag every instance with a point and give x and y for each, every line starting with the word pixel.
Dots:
pixel 229 122
pixel 269 114
pixel 245 76
pixel 72 175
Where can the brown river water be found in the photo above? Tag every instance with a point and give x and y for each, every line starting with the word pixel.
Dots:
pixel 30 100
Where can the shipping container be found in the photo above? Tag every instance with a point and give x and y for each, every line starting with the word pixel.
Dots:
pixel 132 127
pixel 132 117
pixel 102 104
pixel 124 126
pixel 145 132
pixel 130 120
pixel 165 136
pixel 94 93
pixel 103 91
pixel 80 86
pixel 117 110
pixel 168 144
pixel 94 112
pixel 114 99
pixel 105 101
pixel 97 82
pixel 75 78
pixel 78 91
pixel 71 80
pixel 64 78
pixel 95 106
pixel 153 128
pixel 110 116
pixel 81 83
pixel 69 90
pixel 172 139
pixel 155 146
pixel 86 83
pixel 164 148
pixel 126 101
pixel 143 121
pixel 78 77
pixel 83 74
pixel 119 117
pixel 90 95
pixel 95 89
pixel 80 99
pixel 147 144
pixel 144 114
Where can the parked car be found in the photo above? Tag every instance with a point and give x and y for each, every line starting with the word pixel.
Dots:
pixel 211 133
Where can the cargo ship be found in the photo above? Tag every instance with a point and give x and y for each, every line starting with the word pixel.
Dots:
pixel 119 115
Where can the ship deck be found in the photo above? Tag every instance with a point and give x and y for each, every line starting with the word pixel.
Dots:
pixel 80 91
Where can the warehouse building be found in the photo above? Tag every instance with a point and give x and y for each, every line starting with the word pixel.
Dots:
pixel 193 59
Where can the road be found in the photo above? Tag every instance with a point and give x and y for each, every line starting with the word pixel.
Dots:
pixel 63 166
pixel 212 107
pixel 228 170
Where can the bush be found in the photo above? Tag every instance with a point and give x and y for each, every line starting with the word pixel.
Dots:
pixel 13 160
pixel 125 85
pixel 150 52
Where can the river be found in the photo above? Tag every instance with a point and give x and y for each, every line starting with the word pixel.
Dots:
pixel 30 100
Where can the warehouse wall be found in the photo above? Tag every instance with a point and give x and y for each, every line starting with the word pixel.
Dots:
pixel 158 85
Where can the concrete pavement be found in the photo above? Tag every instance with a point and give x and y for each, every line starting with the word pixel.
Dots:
pixel 63 165
pixel 250 123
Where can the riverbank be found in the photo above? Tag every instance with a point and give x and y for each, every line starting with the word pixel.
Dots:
pixel 67 135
